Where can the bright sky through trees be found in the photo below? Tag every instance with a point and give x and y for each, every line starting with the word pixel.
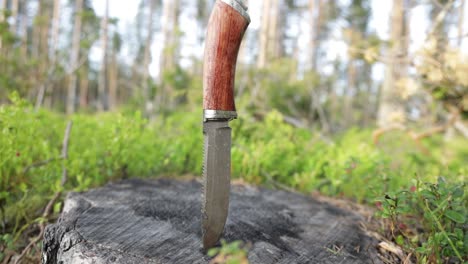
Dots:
pixel 126 11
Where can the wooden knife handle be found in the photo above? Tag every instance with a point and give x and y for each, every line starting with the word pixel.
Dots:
pixel 226 27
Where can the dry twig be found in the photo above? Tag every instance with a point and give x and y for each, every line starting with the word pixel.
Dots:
pixel 54 199
pixel 416 137
pixel 40 164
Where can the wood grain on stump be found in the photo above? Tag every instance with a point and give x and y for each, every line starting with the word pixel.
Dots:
pixel 142 221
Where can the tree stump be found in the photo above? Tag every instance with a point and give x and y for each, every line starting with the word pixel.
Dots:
pixel 158 221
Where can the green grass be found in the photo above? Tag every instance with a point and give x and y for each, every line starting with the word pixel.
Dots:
pixel 111 146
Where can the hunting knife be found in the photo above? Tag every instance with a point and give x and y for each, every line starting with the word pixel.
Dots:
pixel 228 21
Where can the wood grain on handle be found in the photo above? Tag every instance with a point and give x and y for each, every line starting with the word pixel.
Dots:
pixel 225 30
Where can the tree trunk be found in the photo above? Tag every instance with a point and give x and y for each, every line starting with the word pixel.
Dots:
pixel 44 67
pixel 315 13
pixel 113 80
pixel 461 20
pixel 54 33
pixel 274 40
pixel 168 58
pixel 44 33
pixel 270 40
pixel 84 87
pixel 244 48
pixel 103 85
pixel 312 40
pixel 74 56
pixel 315 21
pixel 440 10
pixel 24 30
pixel 138 221
pixel 349 91
pixel 147 56
pixel 3 7
pixel 36 34
pixel 334 106
pixel 318 28
pixel 14 15
pixel 371 97
pixel 264 30
pixel 392 109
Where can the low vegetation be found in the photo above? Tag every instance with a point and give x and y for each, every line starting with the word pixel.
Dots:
pixel 422 193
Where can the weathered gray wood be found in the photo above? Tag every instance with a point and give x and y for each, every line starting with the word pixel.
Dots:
pixel 139 221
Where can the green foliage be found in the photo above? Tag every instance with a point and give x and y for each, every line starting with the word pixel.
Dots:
pixel 111 146
pixel 271 151
pixel 279 90
pixel 178 81
pixel 446 80
pixel 229 253
pixel 440 209
pixel 101 148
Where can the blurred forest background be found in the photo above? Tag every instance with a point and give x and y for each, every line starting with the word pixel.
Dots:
pixel 322 64
pixel 331 95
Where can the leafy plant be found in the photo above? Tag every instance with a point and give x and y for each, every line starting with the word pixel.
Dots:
pixel 267 151
pixel 229 253
pixel 439 209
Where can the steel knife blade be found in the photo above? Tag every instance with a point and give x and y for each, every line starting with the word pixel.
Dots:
pixel 217 170
pixel 226 26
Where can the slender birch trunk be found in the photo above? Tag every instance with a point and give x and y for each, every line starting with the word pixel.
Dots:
pixel 371 98
pixel 270 39
pixel 168 58
pixel 75 53
pixel 14 15
pixel 315 13
pixel 274 48
pixel 54 33
pixel 313 34
pixel 147 56
pixel 36 35
pixel 391 108
pixel 264 30
pixel 319 18
pixel 45 17
pixel 24 30
pixel 44 67
pixel 351 88
pixel 461 20
pixel 3 6
pixel 84 86
pixel 113 80
pixel 103 80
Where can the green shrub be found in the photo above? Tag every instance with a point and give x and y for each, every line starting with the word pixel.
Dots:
pixel 440 209
pixel 229 253
pixel 110 146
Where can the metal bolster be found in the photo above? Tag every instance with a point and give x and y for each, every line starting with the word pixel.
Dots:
pixel 239 6
pixel 210 115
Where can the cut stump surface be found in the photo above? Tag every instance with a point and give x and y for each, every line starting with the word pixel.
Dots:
pixel 158 221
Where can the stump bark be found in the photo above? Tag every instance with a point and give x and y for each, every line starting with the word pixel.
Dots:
pixel 158 221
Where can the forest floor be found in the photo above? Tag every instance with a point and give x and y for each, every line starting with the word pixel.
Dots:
pixel 413 193
pixel 389 252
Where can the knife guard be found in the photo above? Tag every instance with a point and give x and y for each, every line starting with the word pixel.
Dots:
pixel 226 27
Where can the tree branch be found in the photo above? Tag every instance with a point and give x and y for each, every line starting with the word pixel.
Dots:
pixel 57 194
pixel 416 137
pixel 40 164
